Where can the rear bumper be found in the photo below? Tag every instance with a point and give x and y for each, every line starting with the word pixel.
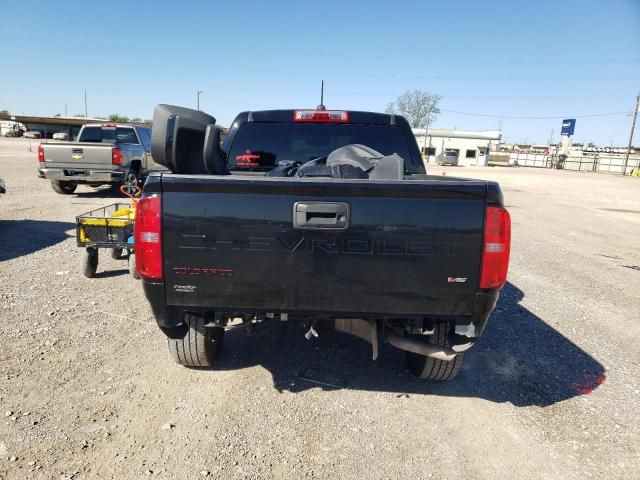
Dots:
pixel 171 316
pixel 82 175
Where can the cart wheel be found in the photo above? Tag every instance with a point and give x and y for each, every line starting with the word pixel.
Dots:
pixel 116 253
pixel 89 262
pixel 132 266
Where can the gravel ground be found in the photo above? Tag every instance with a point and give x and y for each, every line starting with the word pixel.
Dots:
pixel 88 390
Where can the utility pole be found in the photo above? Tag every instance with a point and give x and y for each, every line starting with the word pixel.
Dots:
pixel 66 111
pixel 85 104
pixel 633 126
pixel 198 95
pixel 426 132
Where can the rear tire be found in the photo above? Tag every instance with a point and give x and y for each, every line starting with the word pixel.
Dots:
pixel 89 262
pixel 132 266
pixel 201 345
pixel 131 179
pixel 63 188
pixel 428 368
pixel 116 253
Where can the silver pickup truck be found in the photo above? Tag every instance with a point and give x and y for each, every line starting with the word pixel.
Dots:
pixel 106 153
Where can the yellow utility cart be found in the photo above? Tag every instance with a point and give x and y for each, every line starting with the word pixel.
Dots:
pixel 107 227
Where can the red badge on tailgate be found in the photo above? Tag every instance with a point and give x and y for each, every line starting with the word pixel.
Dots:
pixel 211 272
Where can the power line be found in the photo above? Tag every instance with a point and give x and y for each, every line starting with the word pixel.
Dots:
pixel 335 73
pixel 139 100
pixel 534 118
pixel 444 95
pixel 536 97
pixel 479 58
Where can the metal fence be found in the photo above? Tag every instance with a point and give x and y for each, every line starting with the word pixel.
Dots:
pixel 538 160
pixel 583 163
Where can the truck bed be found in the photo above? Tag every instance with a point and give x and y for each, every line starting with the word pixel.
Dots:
pixel 409 247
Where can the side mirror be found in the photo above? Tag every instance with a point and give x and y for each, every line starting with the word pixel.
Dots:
pixel 214 157
pixel 178 137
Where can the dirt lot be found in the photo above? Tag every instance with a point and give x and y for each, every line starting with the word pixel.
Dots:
pixel 87 388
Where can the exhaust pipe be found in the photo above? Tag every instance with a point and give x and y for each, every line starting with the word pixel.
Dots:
pixel 421 348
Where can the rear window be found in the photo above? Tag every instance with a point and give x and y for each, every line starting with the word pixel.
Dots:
pixel 108 135
pixel 98 134
pixel 261 146
pixel 145 136
pixel 126 135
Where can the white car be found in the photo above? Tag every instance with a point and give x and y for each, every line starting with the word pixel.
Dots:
pixel 61 136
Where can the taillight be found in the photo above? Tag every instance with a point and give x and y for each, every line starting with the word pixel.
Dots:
pixel 147 237
pixel 116 156
pixel 40 154
pixel 496 248
pixel 321 116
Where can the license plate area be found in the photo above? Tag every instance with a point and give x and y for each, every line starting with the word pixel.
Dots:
pixel 75 173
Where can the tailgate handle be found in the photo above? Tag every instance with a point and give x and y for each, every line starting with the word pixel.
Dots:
pixel 76 150
pixel 321 215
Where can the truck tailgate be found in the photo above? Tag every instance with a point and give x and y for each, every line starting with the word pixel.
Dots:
pixel 409 247
pixel 77 155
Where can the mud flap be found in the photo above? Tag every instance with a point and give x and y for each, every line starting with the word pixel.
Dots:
pixel 367 330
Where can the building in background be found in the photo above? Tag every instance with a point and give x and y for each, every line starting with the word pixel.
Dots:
pixel 473 147
pixel 47 126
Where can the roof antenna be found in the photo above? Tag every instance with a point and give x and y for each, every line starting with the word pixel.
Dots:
pixel 321 106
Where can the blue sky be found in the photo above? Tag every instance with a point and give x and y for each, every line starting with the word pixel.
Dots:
pixel 504 58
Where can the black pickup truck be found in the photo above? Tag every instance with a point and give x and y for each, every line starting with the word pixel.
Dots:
pixel 319 216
